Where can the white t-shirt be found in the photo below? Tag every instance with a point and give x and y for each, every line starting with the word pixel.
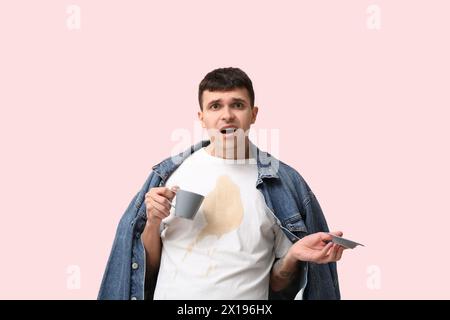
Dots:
pixel 228 249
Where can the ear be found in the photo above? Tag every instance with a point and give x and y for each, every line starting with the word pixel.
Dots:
pixel 255 114
pixel 200 117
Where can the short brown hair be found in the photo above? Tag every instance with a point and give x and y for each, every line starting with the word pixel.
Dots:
pixel 224 79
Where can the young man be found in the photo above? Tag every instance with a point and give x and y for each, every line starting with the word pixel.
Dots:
pixel 255 233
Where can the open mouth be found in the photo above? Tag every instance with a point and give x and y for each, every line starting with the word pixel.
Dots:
pixel 228 130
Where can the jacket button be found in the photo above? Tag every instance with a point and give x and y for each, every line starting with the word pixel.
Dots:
pixel 135 265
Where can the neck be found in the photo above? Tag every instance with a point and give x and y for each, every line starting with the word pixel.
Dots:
pixel 232 151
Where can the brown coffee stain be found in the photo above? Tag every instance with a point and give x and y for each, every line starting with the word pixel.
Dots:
pixel 222 209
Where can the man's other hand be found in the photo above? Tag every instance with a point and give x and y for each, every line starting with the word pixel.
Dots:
pixel 317 248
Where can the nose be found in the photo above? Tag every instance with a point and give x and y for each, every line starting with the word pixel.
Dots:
pixel 227 114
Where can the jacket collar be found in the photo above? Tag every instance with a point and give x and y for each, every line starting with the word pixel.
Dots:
pixel 267 164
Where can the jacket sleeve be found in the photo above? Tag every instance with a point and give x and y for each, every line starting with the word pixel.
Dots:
pixel 322 278
pixel 127 248
pixel 116 278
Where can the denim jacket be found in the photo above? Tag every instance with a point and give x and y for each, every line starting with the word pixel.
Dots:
pixel 286 194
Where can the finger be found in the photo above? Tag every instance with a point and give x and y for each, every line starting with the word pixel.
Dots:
pixel 158 206
pixel 161 214
pixel 163 211
pixel 166 192
pixel 325 237
pixel 339 253
pixel 172 193
pixel 329 251
pixel 337 233
pixel 161 200
pixel 334 252
pixel 153 213
pixel 326 250
pixel 329 256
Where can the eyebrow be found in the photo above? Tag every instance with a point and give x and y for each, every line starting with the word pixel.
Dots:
pixel 220 100
pixel 214 101
pixel 239 100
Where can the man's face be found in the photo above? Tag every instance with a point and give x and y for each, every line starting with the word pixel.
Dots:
pixel 227 109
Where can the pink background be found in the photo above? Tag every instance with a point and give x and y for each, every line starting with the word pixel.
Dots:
pixel 362 114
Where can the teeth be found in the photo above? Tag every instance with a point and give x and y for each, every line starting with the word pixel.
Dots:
pixel 228 130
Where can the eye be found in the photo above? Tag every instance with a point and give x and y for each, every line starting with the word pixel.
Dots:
pixel 214 106
pixel 239 105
